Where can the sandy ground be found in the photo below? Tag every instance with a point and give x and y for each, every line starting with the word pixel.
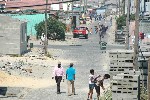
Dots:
pixel 7 80
pixel 22 77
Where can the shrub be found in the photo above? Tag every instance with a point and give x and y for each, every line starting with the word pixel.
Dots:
pixel 55 29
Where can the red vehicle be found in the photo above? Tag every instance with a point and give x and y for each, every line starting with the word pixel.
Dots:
pixel 80 32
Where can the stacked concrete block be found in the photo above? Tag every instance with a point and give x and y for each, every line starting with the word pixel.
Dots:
pixel 125 86
pixel 143 65
pixel 120 37
pixel 120 61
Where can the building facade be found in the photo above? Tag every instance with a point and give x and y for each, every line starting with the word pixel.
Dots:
pixel 13 36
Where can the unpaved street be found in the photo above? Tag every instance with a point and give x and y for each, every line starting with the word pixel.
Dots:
pixel 84 53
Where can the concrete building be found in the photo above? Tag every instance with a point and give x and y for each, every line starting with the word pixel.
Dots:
pixel 132 6
pixel 126 86
pixel 144 6
pixel 12 36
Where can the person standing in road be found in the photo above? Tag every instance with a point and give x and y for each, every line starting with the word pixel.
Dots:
pixel 70 76
pixel 91 84
pixel 90 30
pixel 100 17
pixel 58 73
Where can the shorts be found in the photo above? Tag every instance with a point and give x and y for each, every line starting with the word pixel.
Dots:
pixel 97 88
pixel 91 86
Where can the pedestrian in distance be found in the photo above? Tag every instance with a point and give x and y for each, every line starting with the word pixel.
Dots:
pixel 42 39
pixel 96 29
pixel 91 17
pixel 70 76
pixel 95 16
pixel 90 30
pixel 58 73
pixel 100 17
pixel 99 83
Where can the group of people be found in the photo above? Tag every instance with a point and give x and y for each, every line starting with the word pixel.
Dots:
pixel 59 73
pixel 97 82
pixel 94 81
pixel 98 17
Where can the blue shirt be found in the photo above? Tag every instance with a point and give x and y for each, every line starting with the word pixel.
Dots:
pixel 70 73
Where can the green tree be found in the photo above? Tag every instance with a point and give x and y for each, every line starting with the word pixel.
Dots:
pixel 132 17
pixel 121 21
pixel 55 29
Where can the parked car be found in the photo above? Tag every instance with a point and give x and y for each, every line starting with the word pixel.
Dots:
pixel 80 32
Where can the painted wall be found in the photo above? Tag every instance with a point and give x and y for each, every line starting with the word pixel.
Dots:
pixel 147 6
pixel 31 20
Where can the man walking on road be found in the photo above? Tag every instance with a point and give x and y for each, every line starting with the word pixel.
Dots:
pixel 58 73
pixel 70 76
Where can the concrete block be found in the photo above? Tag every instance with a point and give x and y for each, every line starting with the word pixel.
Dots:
pixel 115 77
pixel 145 54
pixel 114 88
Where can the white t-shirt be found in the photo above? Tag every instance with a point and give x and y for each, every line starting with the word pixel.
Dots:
pixel 43 38
pixel 91 78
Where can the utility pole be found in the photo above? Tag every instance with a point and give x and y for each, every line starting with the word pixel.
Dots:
pixel 148 79
pixel 72 23
pixel 127 25
pixel 84 7
pixel 119 7
pixel 136 34
pixel 116 7
pixel 123 6
pixel 46 43
pixel 72 8
pixel 80 6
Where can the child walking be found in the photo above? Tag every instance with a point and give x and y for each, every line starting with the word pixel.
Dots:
pixel 92 79
pixel 91 84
